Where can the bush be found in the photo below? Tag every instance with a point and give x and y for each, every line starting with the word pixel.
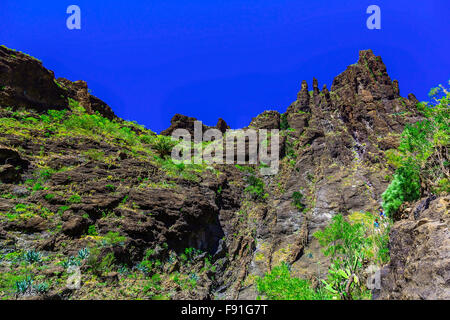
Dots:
pixel 163 146
pixel 41 288
pixel 284 125
pixel 114 238
pixel 278 284
pixel 347 244
pixel 24 286
pixel 32 256
pixel 75 199
pixel 70 262
pixel 83 254
pixel 99 265
pixel 92 230
pixel 422 156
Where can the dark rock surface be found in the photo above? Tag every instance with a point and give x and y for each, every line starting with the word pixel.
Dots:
pixel 420 254
pixel 333 145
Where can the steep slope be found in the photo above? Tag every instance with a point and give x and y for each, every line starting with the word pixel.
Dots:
pixel 335 143
pixel 420 253
pixel 86 189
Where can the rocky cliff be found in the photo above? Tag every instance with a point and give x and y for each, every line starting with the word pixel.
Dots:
pixel 77 177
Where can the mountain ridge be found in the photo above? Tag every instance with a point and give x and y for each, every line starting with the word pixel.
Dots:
pixel 75 177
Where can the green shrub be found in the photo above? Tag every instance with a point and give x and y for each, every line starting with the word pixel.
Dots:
pixel 297 200
pixel 114 238
pixel 95 155
pixel 146 139
pixel 41 288
pixel 32 256
pixel 163 146
pixel 284 124
pixel 37 186
pixel 99 265
pixel 245 169
pixel 63 209
pixel 83 254
pixel 347 244
pixel 49 196
pixel 71 261
pixel 278 284
pixel 75 199
pixel 111 187
pixel 24 286
pixel 255 188
pixel 404 187
pixel 92 230
pixel 421 158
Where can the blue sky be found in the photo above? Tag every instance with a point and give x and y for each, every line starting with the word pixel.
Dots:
pixel 224 58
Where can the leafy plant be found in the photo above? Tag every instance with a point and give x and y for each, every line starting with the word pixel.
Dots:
pixel 41 288
pixel 99 264
pixel 255 187
pixel 284 124
pixel 24 286
pixel 404 187
pixel 279 284
pixel 70 262
pixel 63 209
pixel 92 230
pixel 347 244
pixel 75 199
pixel 297 200
pixel 163 146
pixel 114 238
pixel 32 256
pixel 83 254
pixel 422 156
pixel 111 187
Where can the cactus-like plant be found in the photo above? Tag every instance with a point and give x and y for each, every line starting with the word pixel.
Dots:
pixel 41 288
pixel 32 256
pixel 24 286
pixel 72 261
pixel 83 254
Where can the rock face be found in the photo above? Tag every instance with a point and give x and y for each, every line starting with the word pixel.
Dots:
pixel 79 91
pixel 11 165
pixel 24 82
pixel 420 254
pixel 180 121
pixel 332 151
pixel 266 120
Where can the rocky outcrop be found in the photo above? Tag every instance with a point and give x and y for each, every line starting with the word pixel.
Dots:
pixel 420 254
pixel 24 82
pixel 336 159
pixel 332 151
pixel 180 121
pixel 79 91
